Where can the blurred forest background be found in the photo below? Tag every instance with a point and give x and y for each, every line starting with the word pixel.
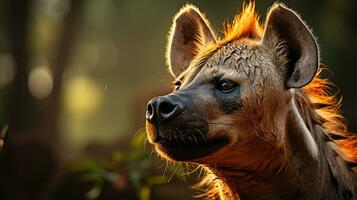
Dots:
pixel 75 76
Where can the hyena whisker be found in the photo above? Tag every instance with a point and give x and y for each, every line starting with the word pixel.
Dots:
pixel 187 168
pixel 181 134
pixel 152 152
pixel 202 135
pixel 182 138
pixel 201 170
pixel 173 173
pixel 193 170
pixel 140 130
pixel 194 137
pixel 166 165
pixel 230 125
pixel 161 165
pixel 190 137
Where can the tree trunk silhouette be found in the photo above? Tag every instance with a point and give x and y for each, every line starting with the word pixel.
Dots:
pixel 30 161
pixel 20 103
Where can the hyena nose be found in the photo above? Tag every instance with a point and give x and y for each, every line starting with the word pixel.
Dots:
pixel 150 110
pixel 163 109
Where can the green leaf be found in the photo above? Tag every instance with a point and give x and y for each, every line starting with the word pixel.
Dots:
pixel 86 165
pixel 144 193
pixel 156 180
pixel 93 177
pixel 118 156
pixel 94 192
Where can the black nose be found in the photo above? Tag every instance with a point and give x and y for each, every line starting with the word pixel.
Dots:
pixel 163 109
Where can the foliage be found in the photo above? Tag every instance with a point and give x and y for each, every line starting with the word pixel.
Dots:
pixel 126 169
pixel 3 135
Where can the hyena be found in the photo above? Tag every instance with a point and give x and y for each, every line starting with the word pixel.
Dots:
pixel 252 110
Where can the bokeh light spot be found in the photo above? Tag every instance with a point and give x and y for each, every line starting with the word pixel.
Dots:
pixel 40 82
pixel 82 95
pixel 7 69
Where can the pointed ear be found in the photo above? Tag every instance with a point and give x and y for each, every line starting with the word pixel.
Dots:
pixel 299 45
pixel 189 32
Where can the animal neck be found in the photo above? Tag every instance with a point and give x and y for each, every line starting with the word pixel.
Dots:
pixel 305 167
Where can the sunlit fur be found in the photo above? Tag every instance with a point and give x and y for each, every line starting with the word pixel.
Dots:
pixel 245 24
pixel 333 121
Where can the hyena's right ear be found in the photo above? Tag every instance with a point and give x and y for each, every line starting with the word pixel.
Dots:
pixel 190 31
pixel 299 45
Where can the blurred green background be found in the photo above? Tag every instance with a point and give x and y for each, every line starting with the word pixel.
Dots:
pixel 75 76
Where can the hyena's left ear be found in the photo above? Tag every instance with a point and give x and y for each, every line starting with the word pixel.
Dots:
pixel 190 31
pixel 299 45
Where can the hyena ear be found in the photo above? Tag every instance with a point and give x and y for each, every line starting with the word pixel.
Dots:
pixel 299 45
pixel 190 31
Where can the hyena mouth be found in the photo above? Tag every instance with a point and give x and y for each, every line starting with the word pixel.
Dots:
pixel 189 143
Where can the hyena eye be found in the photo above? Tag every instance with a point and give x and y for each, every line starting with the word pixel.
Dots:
pixel 226 85
pixel 177 85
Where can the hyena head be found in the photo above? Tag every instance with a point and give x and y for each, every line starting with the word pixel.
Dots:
pixel 232 94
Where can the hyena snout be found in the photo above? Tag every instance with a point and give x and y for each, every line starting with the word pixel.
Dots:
pixel 163 109
pixel 178 128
